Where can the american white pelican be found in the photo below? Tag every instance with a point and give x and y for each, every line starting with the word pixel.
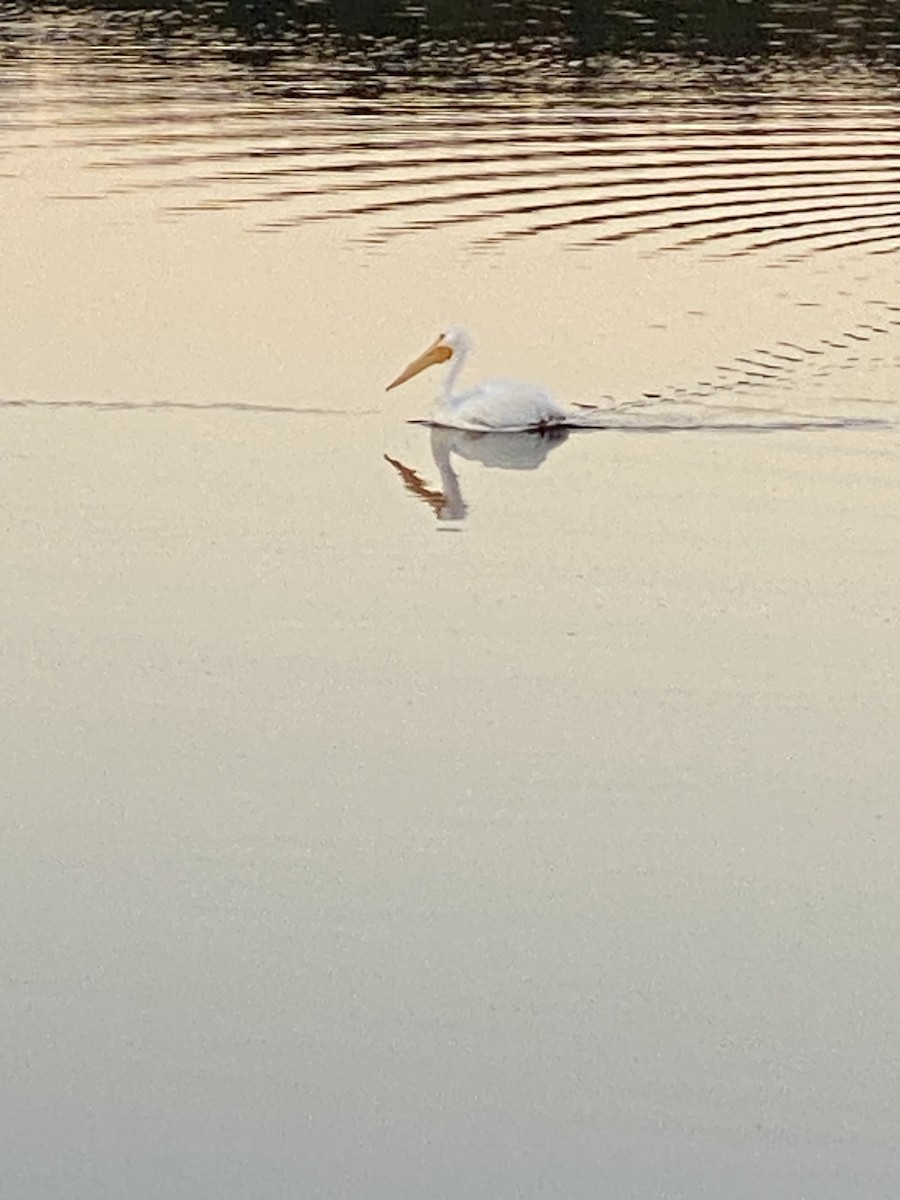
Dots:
pixel 498 405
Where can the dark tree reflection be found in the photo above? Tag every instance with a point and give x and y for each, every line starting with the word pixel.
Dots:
pixel 723 29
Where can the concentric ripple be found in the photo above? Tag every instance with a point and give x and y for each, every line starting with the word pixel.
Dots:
pixel 775 155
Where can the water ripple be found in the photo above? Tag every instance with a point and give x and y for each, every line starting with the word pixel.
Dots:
pixel 391 138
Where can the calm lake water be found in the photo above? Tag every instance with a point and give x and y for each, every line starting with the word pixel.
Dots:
pixel 396 813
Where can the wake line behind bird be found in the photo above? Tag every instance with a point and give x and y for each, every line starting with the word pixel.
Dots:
pixel 509 406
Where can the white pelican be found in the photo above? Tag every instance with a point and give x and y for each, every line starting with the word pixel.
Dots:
pixel 498 405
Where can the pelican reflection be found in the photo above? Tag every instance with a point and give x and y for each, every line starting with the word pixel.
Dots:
pixel 504 451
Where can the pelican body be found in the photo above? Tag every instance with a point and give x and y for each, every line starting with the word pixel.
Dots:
pixel 502 404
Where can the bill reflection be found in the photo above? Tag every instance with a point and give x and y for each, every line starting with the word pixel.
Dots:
pixel 503 451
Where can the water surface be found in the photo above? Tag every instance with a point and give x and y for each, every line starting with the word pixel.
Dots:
pixel 393 812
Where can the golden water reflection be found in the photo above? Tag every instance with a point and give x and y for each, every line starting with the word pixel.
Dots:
pixel 787 156
pixel 345 860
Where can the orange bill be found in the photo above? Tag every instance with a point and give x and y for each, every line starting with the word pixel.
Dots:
pixel 437 352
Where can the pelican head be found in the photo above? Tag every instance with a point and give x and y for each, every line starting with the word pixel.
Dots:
pixel 453 341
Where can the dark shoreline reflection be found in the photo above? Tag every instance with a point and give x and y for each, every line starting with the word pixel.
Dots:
pixel 499 451
pixel 581 28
